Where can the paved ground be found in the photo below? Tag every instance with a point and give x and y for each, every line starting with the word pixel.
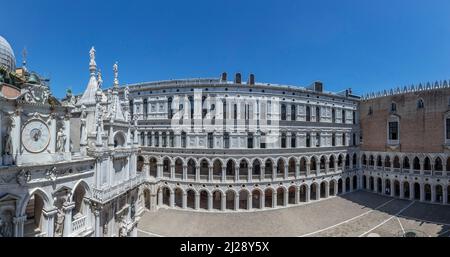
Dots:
pixel 355 214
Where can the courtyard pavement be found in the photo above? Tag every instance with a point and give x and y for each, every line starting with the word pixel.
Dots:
pixel 357 214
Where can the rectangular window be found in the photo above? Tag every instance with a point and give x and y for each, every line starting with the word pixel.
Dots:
pixel 293 140
pixel 210 140
pixel 393 130
pixel 250 140
pixel 283 140
pixel 263 141
pixel 183 140
pixel 226 140
pixel 308 140
pixel 448 128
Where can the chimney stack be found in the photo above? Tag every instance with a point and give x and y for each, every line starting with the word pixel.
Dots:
pixel 223 78
pixel 251 79
pixel 237 78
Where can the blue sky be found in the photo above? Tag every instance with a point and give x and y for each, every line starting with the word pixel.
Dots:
pixel 365 45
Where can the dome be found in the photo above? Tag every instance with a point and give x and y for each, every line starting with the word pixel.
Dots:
pixel 7 58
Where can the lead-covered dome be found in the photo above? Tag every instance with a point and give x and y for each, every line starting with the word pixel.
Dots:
pixel 7 58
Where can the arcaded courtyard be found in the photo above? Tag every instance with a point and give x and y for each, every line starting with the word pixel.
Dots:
pixel 350 215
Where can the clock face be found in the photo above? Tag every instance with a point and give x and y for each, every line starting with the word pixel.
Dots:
pixel 35 136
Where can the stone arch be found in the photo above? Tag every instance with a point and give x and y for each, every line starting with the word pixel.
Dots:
pixel 217 169
pixel 281 196
pixel 347 184
pixel 292 165
pixel 190 198
pixel 257 199
pixel 303 193
pixel 406 192
pixel 323 189
pixel 387 186
pixel 35 223
pixel 231 168
pixel 332 160
pixel 204 168
pixel 191 168
pixel 340 186
pixel 256 167
pixel 396 188
pixel 371 184
pixel 396 162
pixel 179 163
pixel 244 195
pixel 292 191
pixel 178 197
pixel 438 164
pixel 322 163
pixel 417 192
pixel 153 169
pixel 416 163
pixel 427 164
pixel 354 182
pixel 230 196
pixel 314 193
pixel 140 163
pixel 268 165
pixel 406 165
pixel 439 196
pixel 217 196
pixel 303 164
pixel 268 197
pixel 427 192
pixel 313 164
pixel 204 199
pixel 120 139
pixel 166 163
pixel 243 168
pixel 387 161
pixel 280 167
pixel 332 188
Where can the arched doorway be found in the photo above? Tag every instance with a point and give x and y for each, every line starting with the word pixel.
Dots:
pixel 396 188
pixel 332 188
pixel 387 189
pixel 340 186
pixel 379 186
pixel 140 164
pixel 364 181
pixel 34 223
pixel 204 170
pixel 355 182
pixel 204 200
pixel 190 201
pixel 417 191
pixel 323 189
pixel 291 195
pixel 191 169
pixel 347 185
pixel 303 191
pixel 256 199
pixel 256 170
pixel 371 184
pixel 217 200
pixel 217 170
pixel 268 201
pixel 406 192
pixel 280 197
pixel 439 194
pixel 243 199
pixel 178 197
pixel 427 191
pixel 230 198
pixel 166 196
pixel 313 194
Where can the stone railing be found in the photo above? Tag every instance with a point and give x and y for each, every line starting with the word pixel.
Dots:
pixel 78 225
pixel 104 195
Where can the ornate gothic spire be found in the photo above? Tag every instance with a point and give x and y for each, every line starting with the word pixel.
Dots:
pixel 116 75
pixel 92 63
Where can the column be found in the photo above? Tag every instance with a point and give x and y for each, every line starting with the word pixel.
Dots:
pixel 18 225
pixel 184 201
pixel 67 133
pixel 236 201
pixel 307 194
pixel 145 138
pixel 263 171
pixel 445 194
pixel 422 190
pixel 97 213
pixel 67 208
pixel 197 201
pixel 172 171
pixel 250 173
pixel 297 170
pixel 184 172
pixel 318 191
pixel 375 184
pixel 274 199
pixel 236 173
pixel 383 186
pixel 402 190
pixel 286 171
pixel 160 198
pixel 433 193
pixel 160 170
pixel 49 215
pixel 197 173
pixel 210 202
pixel 297 195
pixel 274 171
pixel 327 166
pixel 411 191
pixel 224 173
pixel 286 197
pixel 392 187
pixel 172 199
pixel 308 168
pixel 223 202
pixel 210 173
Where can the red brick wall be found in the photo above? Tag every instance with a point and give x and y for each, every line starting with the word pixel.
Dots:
pixel 421 130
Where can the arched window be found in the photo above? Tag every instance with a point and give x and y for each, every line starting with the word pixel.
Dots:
pixel 317 139
pixel 344 139
pixel 308 113
pixel 333 139
pixel 393 107
pixel 283 112
pixel 169 107
pixel 343 116
pixel 183 139
pixel 317 114
pixel 283 140
pixel 293 112
pixel 333 115
pixel 420 104
pixel 293 140
pixel 308 140
pixel 145 108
